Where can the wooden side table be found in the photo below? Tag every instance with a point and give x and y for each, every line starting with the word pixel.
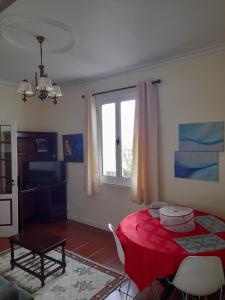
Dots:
pixel 36 261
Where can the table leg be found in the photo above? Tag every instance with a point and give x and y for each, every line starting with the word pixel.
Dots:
pixel 42 271
pixel 12 255
pixel 63 258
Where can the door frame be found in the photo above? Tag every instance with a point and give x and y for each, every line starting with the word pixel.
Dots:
pixel 11 228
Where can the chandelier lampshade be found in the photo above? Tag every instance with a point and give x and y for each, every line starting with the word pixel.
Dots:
pixel 43 84
pixel 55 93
pixel 25 88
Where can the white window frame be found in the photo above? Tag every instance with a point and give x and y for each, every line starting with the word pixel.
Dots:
pixel 113 97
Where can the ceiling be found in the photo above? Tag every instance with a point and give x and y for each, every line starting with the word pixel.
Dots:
pixel 88 39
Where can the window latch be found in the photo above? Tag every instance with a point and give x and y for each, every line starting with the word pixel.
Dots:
pixel 117 141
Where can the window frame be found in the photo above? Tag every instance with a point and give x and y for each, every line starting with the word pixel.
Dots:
pixel 113 97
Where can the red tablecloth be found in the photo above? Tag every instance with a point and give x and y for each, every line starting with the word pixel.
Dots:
pixel 151 251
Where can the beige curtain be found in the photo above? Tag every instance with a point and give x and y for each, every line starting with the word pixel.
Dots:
pixel 92 176
pixel 145 160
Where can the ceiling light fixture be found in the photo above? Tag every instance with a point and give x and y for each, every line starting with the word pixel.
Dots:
pixel 43 84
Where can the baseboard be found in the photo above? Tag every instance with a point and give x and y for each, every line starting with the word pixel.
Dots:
pixel 88 222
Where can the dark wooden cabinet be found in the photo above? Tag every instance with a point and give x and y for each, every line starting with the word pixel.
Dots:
pixel 45 203
pixel 34 146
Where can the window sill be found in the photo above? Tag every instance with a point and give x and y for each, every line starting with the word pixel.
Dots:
pixel 117 185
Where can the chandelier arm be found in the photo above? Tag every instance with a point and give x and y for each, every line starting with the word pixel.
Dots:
pixel 24 98
pixel 36 81
pixel 55 100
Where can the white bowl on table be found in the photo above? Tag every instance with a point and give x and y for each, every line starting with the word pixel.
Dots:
pixel 177 218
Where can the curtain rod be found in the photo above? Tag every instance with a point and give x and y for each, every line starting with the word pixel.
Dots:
pixel 121 89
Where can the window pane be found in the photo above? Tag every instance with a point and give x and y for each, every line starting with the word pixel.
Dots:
pixel 5 160
pixel 127 129
pixel 108 139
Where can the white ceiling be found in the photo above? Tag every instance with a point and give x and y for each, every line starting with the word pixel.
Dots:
pixel 94 38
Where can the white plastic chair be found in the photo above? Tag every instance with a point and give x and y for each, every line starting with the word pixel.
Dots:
pixel 200 276
pixel 158 204
pixel 121 256
pixel 119 247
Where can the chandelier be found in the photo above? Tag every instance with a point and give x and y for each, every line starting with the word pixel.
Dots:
pixel 43 84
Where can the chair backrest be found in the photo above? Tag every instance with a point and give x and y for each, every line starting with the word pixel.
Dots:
pixel 119 248
pixel 158 204
pixel 199 275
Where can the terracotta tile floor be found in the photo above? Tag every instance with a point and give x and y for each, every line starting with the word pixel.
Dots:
pixel 98 245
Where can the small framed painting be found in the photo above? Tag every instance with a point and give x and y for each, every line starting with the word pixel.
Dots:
pixel 73 147
pixel 42 145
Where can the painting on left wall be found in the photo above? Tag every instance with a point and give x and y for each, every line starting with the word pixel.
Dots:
pixel 73 147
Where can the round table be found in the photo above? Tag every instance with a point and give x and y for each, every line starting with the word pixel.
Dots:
pixel 151 251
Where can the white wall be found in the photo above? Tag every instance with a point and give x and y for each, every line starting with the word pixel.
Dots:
pixel 191 91
pixel 27 115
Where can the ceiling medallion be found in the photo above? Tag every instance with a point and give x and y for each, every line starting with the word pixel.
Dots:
pixel 43 84
pixel 19 30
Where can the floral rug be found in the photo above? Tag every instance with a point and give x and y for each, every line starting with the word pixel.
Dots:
pixel 83 279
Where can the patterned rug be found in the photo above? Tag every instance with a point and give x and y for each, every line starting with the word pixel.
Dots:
pixel 83 279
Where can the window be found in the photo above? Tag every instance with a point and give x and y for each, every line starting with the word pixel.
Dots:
pixel 116 127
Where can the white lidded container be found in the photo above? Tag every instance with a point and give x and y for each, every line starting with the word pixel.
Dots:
pixel 177 218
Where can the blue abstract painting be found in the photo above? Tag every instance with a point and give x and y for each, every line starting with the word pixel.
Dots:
pixel 73 147
pixel 201 137
pixel 196 165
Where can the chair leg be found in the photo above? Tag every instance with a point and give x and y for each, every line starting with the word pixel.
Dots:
pixel 184 295
pixel 221 292
pixel 127 294
pixel 128 288
pixel 122 284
